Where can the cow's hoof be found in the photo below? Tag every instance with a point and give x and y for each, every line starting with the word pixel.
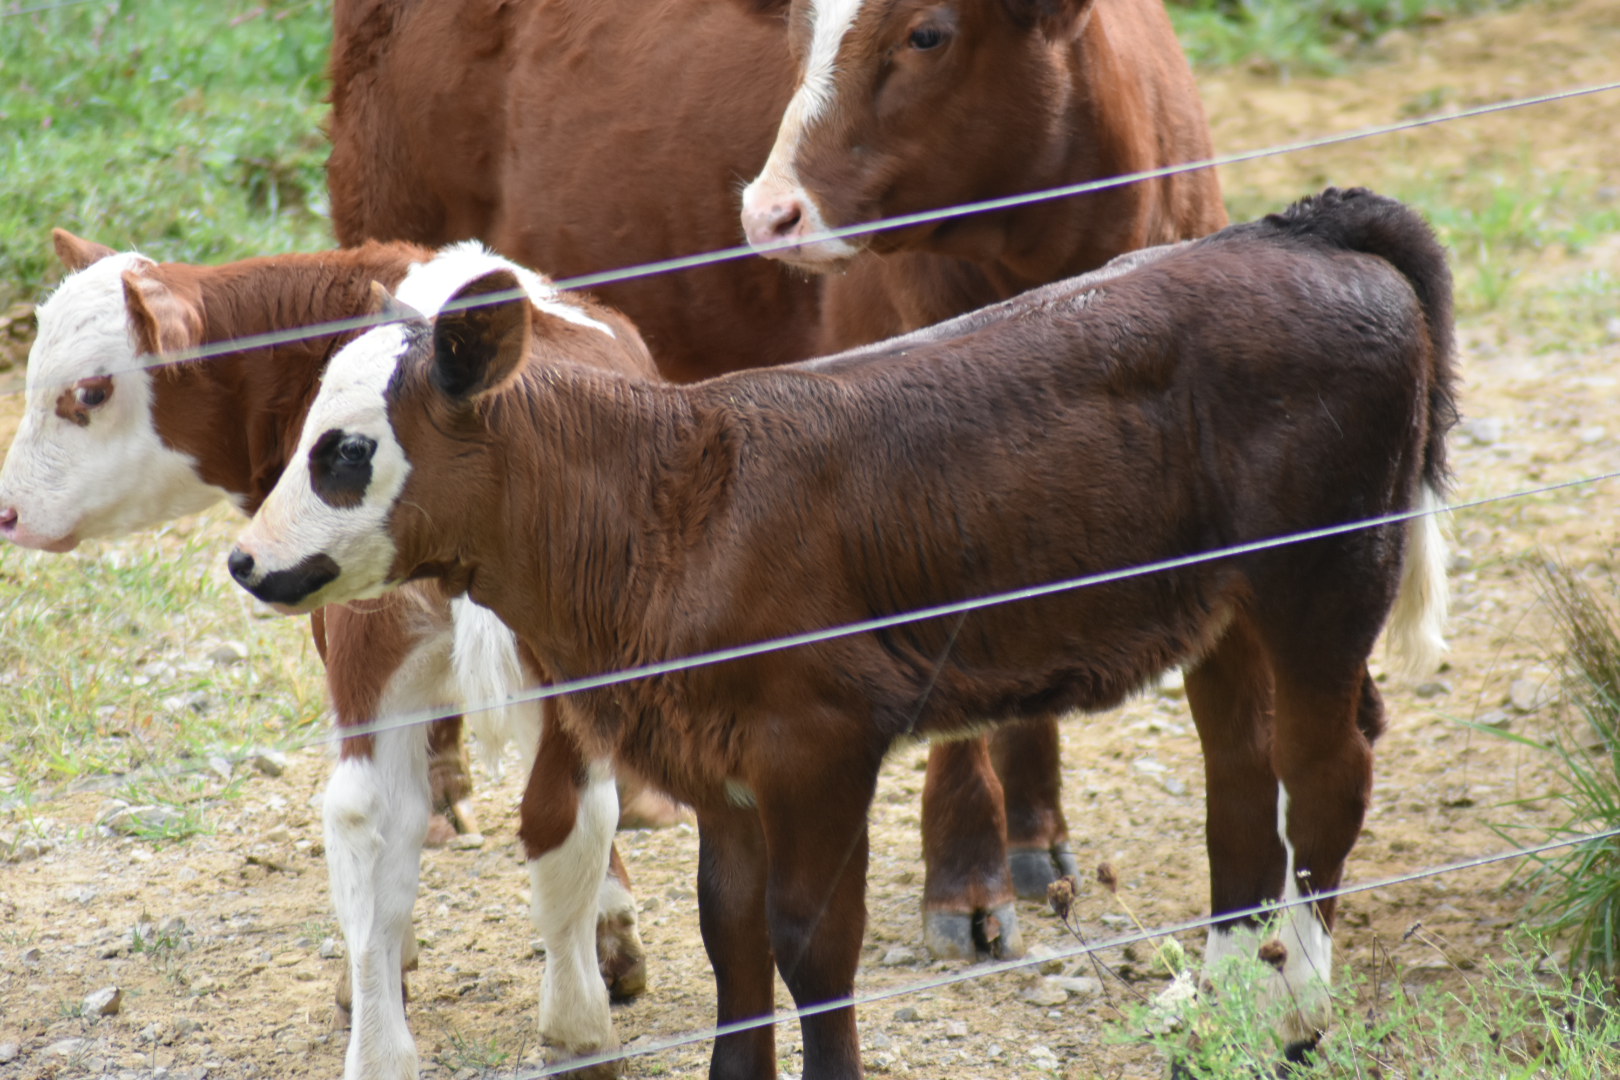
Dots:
pixel 1033 869
pixel 558 1058
pixel 440 831
pixel 977 935
pixel 645 808
pixel 621 958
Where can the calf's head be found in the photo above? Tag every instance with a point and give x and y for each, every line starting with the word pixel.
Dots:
pixel 910 105
pixel 88 460
pixel 394 453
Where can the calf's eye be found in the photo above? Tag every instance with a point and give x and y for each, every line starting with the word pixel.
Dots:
pixel 926 37
pixel 355 450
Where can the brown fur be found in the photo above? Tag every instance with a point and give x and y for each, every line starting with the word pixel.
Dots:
pixel 1283 375
pixel 468 120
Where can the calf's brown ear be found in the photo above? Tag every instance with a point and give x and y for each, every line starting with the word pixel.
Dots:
pixel 764 7
pixel 164 319
pixel 76 252
pixel 481 337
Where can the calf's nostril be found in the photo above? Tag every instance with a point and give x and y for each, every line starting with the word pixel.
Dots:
pixel 240 564
pixel 8 519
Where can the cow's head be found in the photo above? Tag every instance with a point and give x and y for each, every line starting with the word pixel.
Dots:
pixel 910 105
pixel 392 453
pixel 87 460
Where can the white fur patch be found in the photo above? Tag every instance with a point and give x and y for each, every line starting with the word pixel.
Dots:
pixel 566 888
pixel 1302 985
pixel 488 669
pixel 1416 637
pixel 113 476
pixel 778 181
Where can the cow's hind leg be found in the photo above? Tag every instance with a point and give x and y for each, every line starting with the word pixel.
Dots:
pixel 449 782
pixel 731 914
pixel 1028 761
pixel 969 908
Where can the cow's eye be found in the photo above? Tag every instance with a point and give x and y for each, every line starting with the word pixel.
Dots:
pixel 355 450
pixel 924 38
pixel 93 392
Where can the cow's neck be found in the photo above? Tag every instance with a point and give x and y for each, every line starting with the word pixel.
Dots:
pixel 238 415
pixel 569 542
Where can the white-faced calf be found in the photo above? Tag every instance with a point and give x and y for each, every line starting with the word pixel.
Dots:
pixel 106 448
pixel 1280 376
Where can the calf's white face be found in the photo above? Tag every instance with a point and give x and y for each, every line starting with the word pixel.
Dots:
pixel 322 536
pixel 87 460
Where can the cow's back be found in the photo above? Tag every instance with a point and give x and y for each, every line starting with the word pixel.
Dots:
pixel 576 136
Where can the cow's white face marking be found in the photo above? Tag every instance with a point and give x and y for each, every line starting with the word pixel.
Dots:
pixel 87 460
pixel 326 508
pixel 778 182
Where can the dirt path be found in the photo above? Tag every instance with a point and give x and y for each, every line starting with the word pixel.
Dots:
pixel 231 979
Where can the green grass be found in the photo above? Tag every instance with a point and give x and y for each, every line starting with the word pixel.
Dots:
pixel 106 668
pixel 1516 1019
pixel 187 128
pixel 1300 35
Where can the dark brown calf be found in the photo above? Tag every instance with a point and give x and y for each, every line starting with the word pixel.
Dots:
pixel 583 135
pixel 1281 376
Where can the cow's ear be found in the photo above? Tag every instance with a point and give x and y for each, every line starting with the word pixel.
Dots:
pixel 481 337
pixel 1056 19
pixel 76 252
pixel 164 319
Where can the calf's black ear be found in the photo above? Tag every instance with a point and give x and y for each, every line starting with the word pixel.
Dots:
pixel 481 337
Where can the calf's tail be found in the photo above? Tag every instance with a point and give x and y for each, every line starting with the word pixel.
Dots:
pixel 1360 220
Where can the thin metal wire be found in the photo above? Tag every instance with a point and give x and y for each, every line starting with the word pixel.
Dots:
pixel 987 970
pixel 585 281
pixel 382 725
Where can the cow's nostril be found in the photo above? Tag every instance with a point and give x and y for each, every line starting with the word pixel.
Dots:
pixel 786 219
pixel 240 564
pixel 8 519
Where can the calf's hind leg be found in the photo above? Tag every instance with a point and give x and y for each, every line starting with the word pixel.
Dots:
pixel 1029 763
pixel 731 915
pixel 969 905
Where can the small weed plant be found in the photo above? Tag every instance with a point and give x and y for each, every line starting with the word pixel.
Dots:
pixel 1577 888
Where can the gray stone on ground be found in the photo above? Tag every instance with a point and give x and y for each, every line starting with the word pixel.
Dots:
pixel 1047 992
pixel 131 820
pixel 9 1052
pixel 269 762
pixel 899 956
pixel 227 653
pixel 107 1001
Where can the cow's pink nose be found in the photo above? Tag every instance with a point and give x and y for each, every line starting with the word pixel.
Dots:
pixel 781 219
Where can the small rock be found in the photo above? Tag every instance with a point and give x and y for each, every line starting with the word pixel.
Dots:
pixel 1528 695
pixel 1174 786
pixel 1047 993
pixel 9 1052
pixel 1496 718
pixel 220 768
pixel 231 652
pixel 1594 434
pixel 1083 987
pixel 1043 1055
pixel 876 1040
pixel 67 1047
pixel 269 762
pixel 32 956
pixel 329 949
pixel 907 1015
pixel 881 1061
pixel 956 1029
pixel 1149 766
pixel 151 1033
pixel 107 1001
pixel 1436 688
pixel 467 842
pixel 172 927
pixel 899 956
pixel 132 820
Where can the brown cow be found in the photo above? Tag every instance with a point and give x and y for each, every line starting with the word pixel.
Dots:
pixel 106 448
pixel 582 135
pixel 1281 376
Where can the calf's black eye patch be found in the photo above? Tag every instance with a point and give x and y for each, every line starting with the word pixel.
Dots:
pixel 340 468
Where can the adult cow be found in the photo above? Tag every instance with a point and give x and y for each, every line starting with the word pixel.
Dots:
pixel 581 135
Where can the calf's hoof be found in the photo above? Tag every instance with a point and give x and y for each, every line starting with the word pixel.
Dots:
pixel 645 808
pixel 1033 869
pixel 557 1057
pixel 990 934
pixel 621 957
